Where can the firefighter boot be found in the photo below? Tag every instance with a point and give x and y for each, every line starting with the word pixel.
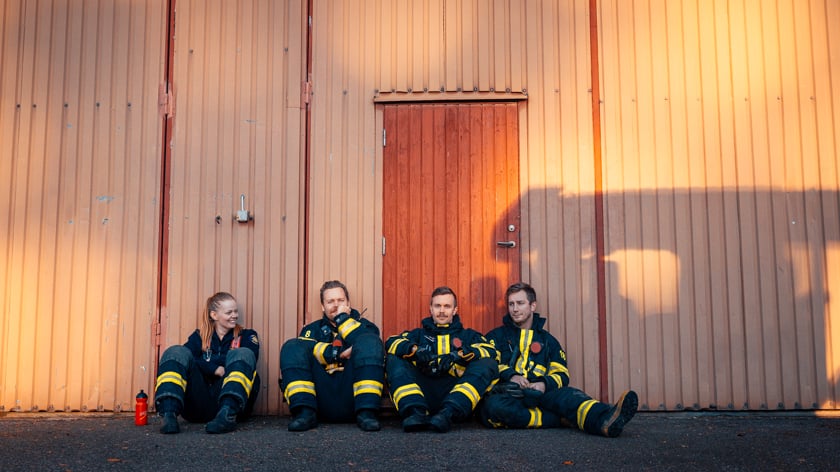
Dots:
pixel 416 419
pixel 618 416
pixel 366 419
pixel 305 419
pixel 170 424
pixel 442 421
pixel 168 410
pixel 224 422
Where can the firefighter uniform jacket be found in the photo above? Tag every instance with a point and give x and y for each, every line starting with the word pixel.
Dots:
pixel 536 355
pixel 210 360
pixel 336 390
pixel 463 369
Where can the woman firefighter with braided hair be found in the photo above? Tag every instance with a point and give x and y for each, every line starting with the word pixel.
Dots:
pixel 213 375
pixel 533 389
pixel 440 368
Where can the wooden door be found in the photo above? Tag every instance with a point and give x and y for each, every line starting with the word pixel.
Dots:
pixel 451 210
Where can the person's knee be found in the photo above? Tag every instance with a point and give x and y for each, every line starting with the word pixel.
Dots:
pixel 294 353
pixel 396 366
pixel 367 351
pixel 487 369
pixel 503 409
pixel 244 356
pixel 178 354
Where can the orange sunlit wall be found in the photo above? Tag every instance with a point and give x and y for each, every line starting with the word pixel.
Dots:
pixel 80 154
pixel 719 124
pixel 720 137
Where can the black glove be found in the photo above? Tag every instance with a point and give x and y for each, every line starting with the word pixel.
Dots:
pixel 404 349
pixel 443 363
pixel 437 366
pixel 341 318
pixel 508 388
pixel 422 357
pixel 468 353
pixel 332 354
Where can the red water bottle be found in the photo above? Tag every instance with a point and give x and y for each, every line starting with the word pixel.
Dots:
pixel 141 409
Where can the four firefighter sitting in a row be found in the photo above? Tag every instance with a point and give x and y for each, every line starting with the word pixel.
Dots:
pixel 335 371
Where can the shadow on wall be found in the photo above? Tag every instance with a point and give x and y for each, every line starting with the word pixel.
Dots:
pixel 714 299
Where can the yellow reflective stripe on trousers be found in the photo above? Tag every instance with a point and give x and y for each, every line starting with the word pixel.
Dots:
pixel 171 377
pixel 299 386
pixel 492 384
pixel 241 379
pixel 367 386
pixel 404 391
pixel 582 411
pixel 468 391
pixel 536 418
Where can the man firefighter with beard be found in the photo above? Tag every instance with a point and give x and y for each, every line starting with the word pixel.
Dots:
pixel 441 368
pixel 334 370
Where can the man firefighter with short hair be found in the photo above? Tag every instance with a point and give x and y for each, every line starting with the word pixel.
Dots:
pixel 533 389
pixel 441 368
pixel 334 370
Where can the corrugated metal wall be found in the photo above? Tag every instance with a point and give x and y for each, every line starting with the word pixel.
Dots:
pixel 415 50
pixel 239 124
pixel 720 154
pixel 719 132
pixel 80 141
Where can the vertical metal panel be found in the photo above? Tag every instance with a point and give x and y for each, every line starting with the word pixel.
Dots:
pixel 80 148
pixel 720 162
pixel 238 69
pixel 557 181
pixel 438 45
pixel 361 47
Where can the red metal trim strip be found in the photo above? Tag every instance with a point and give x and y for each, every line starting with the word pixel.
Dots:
pixel 603 369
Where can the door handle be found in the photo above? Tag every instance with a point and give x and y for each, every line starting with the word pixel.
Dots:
pixel 506 243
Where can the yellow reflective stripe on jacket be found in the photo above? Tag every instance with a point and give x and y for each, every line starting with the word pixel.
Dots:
pixel 242 379
pixel 525 338
pixel 484 350
pixel 558 368
pixel 582 411
pixel 171 377
pixel 556 371
pixel 319 350
pixel 348 327
pixel 392 349
pixel 442 344
pixel 367 386
pixel 539 370
pixel 299 386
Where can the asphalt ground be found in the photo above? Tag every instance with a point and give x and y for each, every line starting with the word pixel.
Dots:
pixel 651 441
